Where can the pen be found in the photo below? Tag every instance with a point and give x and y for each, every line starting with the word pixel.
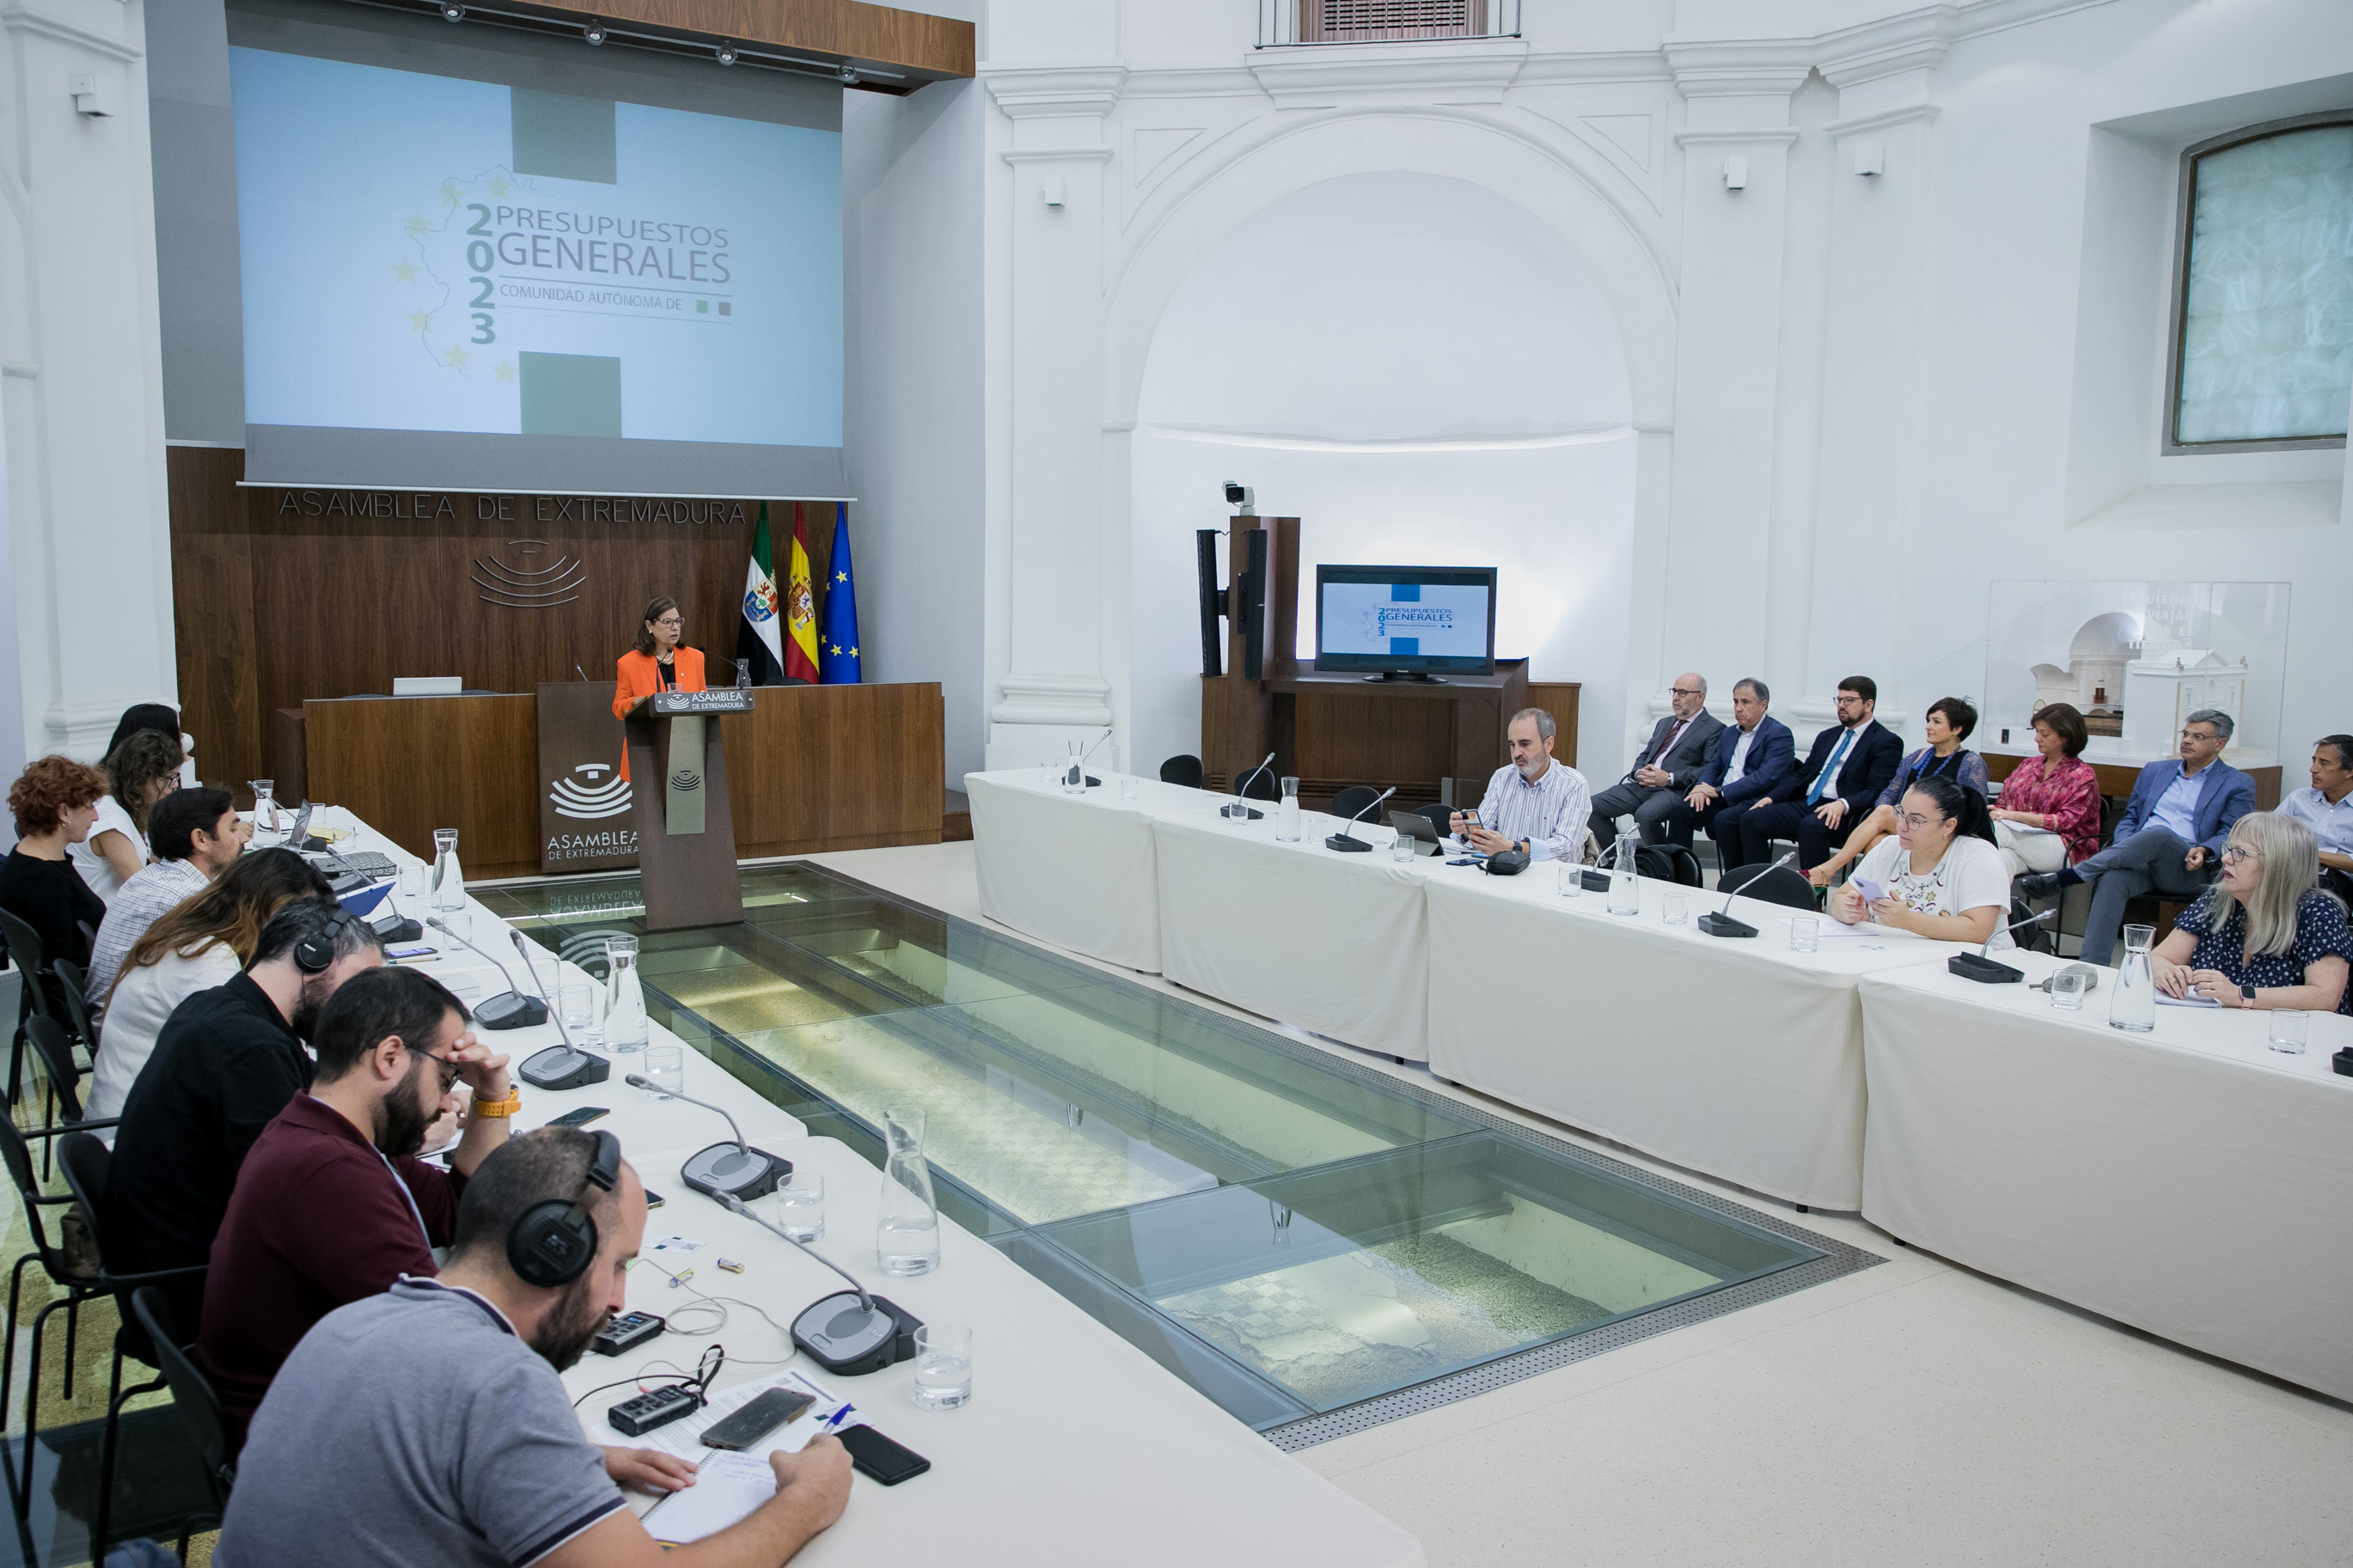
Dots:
pixel 836 1419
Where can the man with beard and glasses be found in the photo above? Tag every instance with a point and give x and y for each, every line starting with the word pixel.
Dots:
pixel 225 1063
pixel 428 1425
pixel 332 1205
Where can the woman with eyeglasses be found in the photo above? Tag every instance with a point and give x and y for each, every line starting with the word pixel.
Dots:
pixel 1939 875
pixel 1945 726
pixel 660 662
pixel 2262 936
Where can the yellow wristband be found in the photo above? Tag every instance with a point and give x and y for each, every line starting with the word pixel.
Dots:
pixel 507 1107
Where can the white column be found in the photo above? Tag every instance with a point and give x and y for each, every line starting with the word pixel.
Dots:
pixel 1735 142
pixel 89 533
pixel 1055 687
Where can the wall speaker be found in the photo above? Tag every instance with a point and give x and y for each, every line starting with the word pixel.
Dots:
pixel 1254 607
pixel 1205 565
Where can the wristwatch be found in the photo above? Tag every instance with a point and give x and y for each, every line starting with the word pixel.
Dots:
pixel 2248 994
pixel 507 1107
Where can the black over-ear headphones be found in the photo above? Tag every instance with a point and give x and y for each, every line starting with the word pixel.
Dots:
pixel 552 1242
pixel 316 955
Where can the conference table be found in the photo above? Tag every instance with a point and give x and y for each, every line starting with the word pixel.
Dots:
pixel 2191 1182
pixel 1736 1057
pixel 1076 1447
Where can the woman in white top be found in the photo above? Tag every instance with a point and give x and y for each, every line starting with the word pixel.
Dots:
pixel 141 771
pixel 199 944
pixel 1940 877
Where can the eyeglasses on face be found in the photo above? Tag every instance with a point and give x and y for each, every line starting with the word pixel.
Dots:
pixel 2234 853
pixel 671 621
pixel 1917 823
pixel 1684 691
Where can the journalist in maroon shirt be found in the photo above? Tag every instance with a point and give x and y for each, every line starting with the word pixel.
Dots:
pixel 332 1205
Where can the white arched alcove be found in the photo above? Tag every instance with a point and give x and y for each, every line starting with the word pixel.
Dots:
pixel 1424 372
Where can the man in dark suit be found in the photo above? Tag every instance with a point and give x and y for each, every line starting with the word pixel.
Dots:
pixel 1849 766
pixel 1669 765
pixel 2169 839
pixel 1751 758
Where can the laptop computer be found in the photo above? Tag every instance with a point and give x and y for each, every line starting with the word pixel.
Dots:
pixel 1415 826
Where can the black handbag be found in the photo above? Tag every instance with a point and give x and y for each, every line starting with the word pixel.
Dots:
pixel 1506 863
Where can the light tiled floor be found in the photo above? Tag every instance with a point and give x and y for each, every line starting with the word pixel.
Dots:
pixel 1914 1414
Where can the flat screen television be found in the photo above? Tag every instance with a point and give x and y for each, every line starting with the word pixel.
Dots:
pixel 1410 623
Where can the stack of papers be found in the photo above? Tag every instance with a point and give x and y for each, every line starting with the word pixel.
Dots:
pixel 729 1486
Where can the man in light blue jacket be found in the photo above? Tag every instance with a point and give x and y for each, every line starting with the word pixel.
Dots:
pixel 2170 840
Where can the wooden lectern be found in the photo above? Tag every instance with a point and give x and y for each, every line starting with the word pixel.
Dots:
pixel 686 831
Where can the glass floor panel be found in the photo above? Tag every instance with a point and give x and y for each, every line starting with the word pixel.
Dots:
pixel 1312 1245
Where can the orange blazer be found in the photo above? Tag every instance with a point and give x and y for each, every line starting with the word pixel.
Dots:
pixel 638 675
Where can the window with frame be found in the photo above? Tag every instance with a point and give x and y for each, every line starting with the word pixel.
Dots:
pixel 1377 21
pixel 2262 325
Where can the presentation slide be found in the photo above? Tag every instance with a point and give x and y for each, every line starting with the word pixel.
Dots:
pixel 421 253
pixel 1432 620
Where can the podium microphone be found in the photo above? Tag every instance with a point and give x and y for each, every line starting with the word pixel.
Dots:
pixel 578 671
pixel 1977 966
pixel 510 1009
pixel 1719 922
pixel 1345 841
pixel 840 1337
pixel 723 1171
pixel 1234 808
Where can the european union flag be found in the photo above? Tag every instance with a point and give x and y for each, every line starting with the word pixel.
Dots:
pixel 836 645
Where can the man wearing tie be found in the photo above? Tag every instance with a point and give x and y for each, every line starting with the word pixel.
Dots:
pixel 1669 765
pixel 1750 760
pixel 1844 774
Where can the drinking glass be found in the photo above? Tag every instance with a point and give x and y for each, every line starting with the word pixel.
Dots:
pixel 414 882
pixel 1131 788
pixel 943 1366
pixel 1571 881
pixel 800 1208
pixel 1401 850
pixel 2288 1028
pixel 579 997
pixel 457 925
pixel 666 1065
pixel 1678 910
pixel 2067 990
pixel 1805 933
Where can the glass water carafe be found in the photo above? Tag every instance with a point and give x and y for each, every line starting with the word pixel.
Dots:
pixel 1074 769
pixel 448 889
pixel 626 1029
pixel 1625 891
pixel 907 1238
pixel 265 812
pixel 1286 816
pixel 2132 1006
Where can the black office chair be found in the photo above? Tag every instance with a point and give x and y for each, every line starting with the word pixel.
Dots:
pixel 1773 884
pixel 1352 800
pixel 1442 818
pixel 198 1407
pixel 1681 863
pixel 85 1161
pixel 1183 769
pixel 73 988
pixel 32 962
pixel 53 1050
pixel 1260 784
pixel 75 1280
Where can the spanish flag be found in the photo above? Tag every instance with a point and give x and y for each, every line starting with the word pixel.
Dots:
pixel 800 609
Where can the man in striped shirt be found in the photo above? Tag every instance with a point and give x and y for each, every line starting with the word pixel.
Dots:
pixel 1534 804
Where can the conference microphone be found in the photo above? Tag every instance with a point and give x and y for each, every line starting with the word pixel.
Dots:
pixel 522 951
pixel 840 1337
pixel 723 1171
pixel 1235 808
pixel 1978 967
pixel 1345 841
pixel 1080 769
pixel 510 1009
pixel 1720 923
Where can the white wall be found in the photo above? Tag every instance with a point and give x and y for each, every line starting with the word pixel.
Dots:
pixel 1424 374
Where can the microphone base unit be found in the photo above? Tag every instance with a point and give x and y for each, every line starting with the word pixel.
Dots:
pixel 1240 813
pixel 746 1174
pixel 1593 881
pixel 565 1067
pixel 1347 846
pixel 1718 925
pixel 511 1010
pixel 839 1334
pixel 1985 971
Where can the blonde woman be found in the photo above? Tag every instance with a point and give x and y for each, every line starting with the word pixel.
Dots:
pixel 2264 936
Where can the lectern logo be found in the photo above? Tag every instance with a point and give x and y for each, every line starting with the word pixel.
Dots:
pixel 589 791
pixel 686 779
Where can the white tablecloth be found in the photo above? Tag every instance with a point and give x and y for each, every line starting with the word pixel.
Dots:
pixel 1076 1450
pixel 1075 870
pixel 1735 1056
pixel 2193 1183
pixel 1328 942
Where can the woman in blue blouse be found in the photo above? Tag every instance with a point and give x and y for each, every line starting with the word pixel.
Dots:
pixel 2264 936
pixel 1948 722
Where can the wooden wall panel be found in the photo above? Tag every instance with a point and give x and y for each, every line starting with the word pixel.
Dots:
pixel 411 766
pixel 1558 698
pixel 837 767
pixel 937 47
pixel 212 614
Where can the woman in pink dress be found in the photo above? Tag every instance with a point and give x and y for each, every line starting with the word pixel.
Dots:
pixel 2049 813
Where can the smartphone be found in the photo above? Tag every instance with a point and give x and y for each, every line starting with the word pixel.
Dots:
pixel 879 1458
pixel 654 1200
pixel 411 954
pixel 1471 819
pixel 756 1420
pixel 580 1117
pixel 1871 891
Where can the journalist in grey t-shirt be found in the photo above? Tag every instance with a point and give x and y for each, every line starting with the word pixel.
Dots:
pixel 414 1428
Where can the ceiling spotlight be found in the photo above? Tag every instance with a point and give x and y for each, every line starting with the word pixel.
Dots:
pixel 727 52
pixel 594 31
pixel 849 75
pixel 452 12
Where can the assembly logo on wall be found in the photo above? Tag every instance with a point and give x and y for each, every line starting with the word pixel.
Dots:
pixel 591 792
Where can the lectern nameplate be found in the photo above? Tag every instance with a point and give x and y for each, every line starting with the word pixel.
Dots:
pixel 723 700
